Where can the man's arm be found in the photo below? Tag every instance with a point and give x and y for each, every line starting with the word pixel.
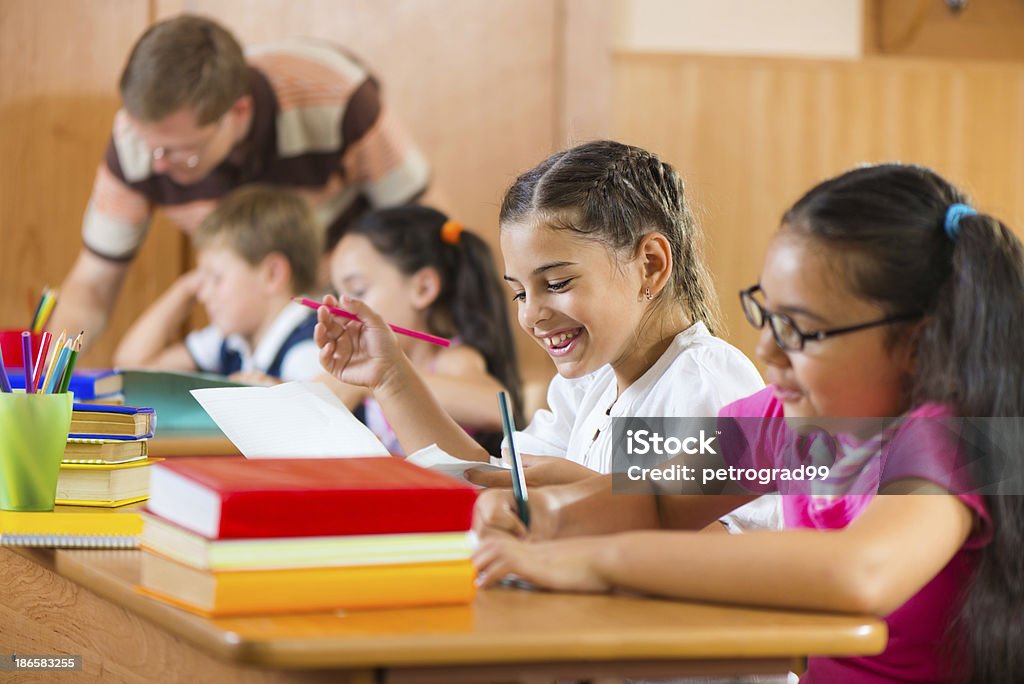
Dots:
pixel 88 294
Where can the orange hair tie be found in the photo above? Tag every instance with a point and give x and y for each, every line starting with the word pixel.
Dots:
pixel 451 231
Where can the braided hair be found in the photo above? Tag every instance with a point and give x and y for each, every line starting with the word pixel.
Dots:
pixel 617 194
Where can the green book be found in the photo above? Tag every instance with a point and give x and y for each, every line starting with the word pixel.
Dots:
pixel 168 393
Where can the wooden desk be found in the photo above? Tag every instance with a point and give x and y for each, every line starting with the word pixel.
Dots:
pixel 83 603
pixel 166 444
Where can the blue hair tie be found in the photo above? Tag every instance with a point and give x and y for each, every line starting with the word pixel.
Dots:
pixel 953 215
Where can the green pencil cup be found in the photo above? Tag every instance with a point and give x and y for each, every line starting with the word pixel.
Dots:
pixel 33 434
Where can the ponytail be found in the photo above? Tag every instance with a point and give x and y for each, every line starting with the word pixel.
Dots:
pixel 479 310
pixel 471 303
pixel 972 351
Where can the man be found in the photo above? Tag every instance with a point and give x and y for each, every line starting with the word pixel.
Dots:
pixel 199 120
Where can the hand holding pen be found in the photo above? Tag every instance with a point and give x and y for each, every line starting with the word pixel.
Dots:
pixel 360 352
pixel 337 311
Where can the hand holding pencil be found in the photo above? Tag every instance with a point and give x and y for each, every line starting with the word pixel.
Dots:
pixel 362 352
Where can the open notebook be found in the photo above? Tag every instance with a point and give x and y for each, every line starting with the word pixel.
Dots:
pixel 292 420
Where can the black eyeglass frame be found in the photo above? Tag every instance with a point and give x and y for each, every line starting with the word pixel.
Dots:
pixel 814 336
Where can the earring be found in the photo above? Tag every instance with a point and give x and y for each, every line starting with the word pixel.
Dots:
pixel 647 294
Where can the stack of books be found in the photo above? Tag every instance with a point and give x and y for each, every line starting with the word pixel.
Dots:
pixel 106 458
pixel 230 536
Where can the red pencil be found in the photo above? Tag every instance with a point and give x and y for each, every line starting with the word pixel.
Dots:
pixel 44 346
pixel 434 339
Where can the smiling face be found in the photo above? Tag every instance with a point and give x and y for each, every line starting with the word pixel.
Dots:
pixel 857 374
pixel 580 304
pixel 234 292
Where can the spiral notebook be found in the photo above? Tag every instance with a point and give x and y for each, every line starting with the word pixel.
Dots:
pixel 66 529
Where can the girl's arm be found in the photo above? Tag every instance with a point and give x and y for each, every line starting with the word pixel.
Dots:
pixel 152 341
pixel 464 388
pixel 593 506
pixel 539 471
pixel 872 566
pixel 350 395
pixel 365 353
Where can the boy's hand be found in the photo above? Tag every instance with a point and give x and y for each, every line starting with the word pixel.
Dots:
pixel 188 284
pixel 363 352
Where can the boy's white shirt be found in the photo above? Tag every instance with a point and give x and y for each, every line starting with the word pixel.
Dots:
pixel 301 363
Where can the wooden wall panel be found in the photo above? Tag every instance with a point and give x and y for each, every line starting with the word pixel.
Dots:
pixel 983 29
pixel 751 135
pixel 57 98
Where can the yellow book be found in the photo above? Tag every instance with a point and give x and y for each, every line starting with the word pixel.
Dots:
pixel 282 553
pixel 103 484
pixel 70 529
pixel 255 592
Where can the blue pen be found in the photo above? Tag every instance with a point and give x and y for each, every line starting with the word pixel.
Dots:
pixel 58 371
pixel 5 382
pixel 518 478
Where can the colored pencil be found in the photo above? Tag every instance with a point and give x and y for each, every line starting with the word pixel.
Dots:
pixel 5 382
pixel 53 357
pixel 427 337
pixel 58 369
pixel 44 347
pixel 72 359
pixel 26 361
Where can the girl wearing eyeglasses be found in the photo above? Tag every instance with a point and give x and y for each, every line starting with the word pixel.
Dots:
pixel 882 295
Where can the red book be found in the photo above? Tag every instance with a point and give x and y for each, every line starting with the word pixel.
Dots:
pixel 234 498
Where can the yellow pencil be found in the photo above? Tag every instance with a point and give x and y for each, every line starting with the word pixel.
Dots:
pixel 53 357
pixel 49 301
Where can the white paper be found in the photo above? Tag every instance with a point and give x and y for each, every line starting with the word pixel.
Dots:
pixel 293 420
pixel 434 457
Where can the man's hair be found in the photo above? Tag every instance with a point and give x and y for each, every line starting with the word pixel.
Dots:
pixel 255 221
pixel 187 61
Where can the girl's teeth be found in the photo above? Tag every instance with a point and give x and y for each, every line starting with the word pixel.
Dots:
pixel 556 340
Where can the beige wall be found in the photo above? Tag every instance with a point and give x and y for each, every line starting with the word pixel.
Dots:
pixel 740 27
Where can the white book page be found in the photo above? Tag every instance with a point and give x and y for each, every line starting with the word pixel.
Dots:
pixel 292 420
pixel 434 457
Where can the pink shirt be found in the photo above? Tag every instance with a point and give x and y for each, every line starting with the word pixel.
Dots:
pixel 917 629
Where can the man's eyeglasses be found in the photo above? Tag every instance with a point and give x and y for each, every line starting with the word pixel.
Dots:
pixel 189 156
pixel 788 335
